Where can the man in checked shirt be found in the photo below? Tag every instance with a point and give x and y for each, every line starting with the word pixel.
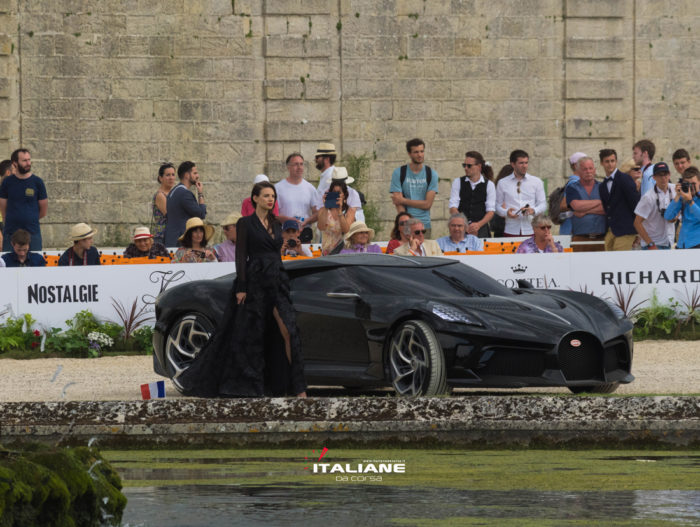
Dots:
pixel 519 196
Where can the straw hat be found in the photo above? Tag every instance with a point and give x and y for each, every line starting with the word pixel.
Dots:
pixel 358 226
pixel 197 222
pixel 325 149
pixel 628 165
pixel 341 174
pixel 231 219
pixel 142 232
pixel 80 231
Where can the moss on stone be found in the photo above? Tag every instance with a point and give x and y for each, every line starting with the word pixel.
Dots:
pixel 42 485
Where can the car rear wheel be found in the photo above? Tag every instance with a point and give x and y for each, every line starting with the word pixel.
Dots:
pixel 609 387
pixel 186 338
pixel 416 361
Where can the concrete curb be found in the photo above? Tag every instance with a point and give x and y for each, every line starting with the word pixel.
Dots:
pixel 463 421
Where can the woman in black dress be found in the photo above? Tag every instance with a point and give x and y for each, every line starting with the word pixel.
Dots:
pixel 257 350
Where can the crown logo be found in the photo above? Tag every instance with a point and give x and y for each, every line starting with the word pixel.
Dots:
pixel 518 269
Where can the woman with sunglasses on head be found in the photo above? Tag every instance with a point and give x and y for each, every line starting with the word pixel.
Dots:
pixel 397 235
pixel 541 240
pixel 166 178
pixel 257 350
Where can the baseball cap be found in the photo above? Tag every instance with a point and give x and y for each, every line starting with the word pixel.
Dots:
pixel 290 224
pixel 660 168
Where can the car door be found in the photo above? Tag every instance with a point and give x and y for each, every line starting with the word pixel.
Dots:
pixel 329 315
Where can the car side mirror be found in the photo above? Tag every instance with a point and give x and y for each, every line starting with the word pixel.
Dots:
pixel 524 284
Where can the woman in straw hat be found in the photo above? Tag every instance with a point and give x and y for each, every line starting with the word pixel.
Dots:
pixel 357 240
pixel 82 252
pixel 257 350
pixel 143 245
pixel 194 243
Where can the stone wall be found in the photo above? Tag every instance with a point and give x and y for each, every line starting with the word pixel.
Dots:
pixel 102 92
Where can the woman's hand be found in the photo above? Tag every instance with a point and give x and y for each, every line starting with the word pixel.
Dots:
pixel 240 298
pixel 209 255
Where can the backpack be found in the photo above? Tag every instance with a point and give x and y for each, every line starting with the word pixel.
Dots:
pixel 402 177
pixel 554 204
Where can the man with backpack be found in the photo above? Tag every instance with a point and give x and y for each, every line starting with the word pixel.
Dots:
pixel 414 185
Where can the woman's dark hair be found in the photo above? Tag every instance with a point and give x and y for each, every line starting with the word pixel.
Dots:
pixel 486 170
pixel 187 239
pixel 505 171
pixel 337 183
pixel 395 234
pixel 257 189
pixel 163 168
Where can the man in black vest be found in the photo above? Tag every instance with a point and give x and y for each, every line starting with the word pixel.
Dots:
pixel 474 195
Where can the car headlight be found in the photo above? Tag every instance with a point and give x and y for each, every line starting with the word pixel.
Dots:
pixel 619 313
pixel 453 314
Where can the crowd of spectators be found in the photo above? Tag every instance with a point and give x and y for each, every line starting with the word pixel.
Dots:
pixel 635 206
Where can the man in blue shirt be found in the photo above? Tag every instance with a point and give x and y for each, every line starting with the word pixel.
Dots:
pixel 23 200
pixel 643 154
pixel 459 240
pixel 20 255
pixel 181 203
pixel 583 197
pixel 687 201
pixel 413 186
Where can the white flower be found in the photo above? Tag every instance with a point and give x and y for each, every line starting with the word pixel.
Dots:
pixel 101 339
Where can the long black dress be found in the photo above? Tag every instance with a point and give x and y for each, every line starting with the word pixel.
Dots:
pixel 246 357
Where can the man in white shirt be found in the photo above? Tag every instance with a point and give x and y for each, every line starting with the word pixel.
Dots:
pixel 655 231
pixel 325 162
pixel 519 196
pixel 297 197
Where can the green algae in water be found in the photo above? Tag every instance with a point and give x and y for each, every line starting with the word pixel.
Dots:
pixel 543 470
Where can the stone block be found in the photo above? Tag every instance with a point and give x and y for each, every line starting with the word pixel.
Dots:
pixel 598 8
pixel 297 7
pixel 6 45
pixel 596 128
pixel 467 47
pixel 119 109
pixel 595 48
pixel 291 130
pixel 597 89
pixel 195 110
pixel 294 46
pixel 5 87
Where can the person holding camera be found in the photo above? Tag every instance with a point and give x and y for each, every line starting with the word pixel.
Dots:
pixel 193 242
pixel 519 196
pixel 655 231
pixel 335 217
pixel 291 244
pixel 687 201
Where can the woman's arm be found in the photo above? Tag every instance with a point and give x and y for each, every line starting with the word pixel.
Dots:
pixel 347 219
pixel 161 202
pixel 322 219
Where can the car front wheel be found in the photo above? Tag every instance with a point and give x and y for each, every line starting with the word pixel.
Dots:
pixel 416 361
pixel 186 338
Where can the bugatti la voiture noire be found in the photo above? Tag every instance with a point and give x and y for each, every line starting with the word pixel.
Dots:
pixel 421 325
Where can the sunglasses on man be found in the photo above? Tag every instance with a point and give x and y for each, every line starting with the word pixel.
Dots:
pixel 419 231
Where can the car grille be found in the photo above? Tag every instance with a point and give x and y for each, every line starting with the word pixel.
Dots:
pixel 517 362
pixel 581 362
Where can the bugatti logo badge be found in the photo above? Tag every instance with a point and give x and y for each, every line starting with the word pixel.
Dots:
pixel 575 343
pixel 518 269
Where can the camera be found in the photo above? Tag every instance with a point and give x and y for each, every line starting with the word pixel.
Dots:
pixel 291 242
pixel 685 185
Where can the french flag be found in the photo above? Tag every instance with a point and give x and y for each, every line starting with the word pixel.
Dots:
pixel 153 390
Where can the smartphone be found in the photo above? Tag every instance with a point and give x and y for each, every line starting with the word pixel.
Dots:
pixel 527 205
pixel 332 200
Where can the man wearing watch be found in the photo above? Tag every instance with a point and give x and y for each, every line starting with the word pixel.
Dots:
pixel 655 231
pixel 687 201
pixel 181 203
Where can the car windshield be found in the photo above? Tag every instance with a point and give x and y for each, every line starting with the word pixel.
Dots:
pixel 444 281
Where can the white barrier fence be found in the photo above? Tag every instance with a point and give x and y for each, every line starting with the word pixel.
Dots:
pixel 54 295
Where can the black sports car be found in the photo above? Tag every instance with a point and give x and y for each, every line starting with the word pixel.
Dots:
pixel 420 325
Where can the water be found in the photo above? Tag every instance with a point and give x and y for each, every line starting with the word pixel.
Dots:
pixel 455 487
